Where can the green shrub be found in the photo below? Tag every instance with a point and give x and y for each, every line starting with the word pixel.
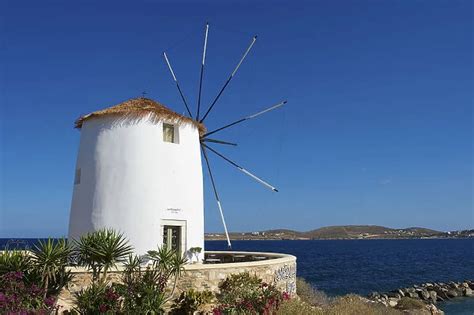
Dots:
pixel 297 306
pixel 101 250
pixel 191 301
pixel 144 290
pixel 345 305
pixel 19 261
pixel 50 258
pixel 34 280
pixel 245 294
pixel 19 297
pixel 97 299
pixel 309 294
pixel 406 303
pixel 355 305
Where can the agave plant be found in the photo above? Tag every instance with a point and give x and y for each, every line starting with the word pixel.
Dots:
pixel 144 288
pixel 170 263
pixel 19 261
pixel 50 259
pixel 14 260
pixel 102 250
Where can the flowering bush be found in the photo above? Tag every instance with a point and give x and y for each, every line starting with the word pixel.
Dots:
pixel 191 301
pixel 144 289
pixel 98 299
pixel 30 282
pixel 19 297
pixel 245 294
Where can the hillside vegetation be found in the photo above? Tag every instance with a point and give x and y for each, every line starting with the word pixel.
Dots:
pixel 345 232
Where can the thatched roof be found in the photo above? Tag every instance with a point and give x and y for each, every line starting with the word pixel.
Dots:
pixel 137 108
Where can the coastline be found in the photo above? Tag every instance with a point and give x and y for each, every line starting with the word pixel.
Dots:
pixel 338 239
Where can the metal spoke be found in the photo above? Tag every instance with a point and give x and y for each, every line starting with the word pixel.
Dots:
pixel 246 118
pixel 254 39
pixel 216 195
pixel 218 141
pixel 177 84
pixel 243 170
pixel 202 71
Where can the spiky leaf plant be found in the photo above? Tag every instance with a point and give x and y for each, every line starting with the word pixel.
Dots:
pixel 50 258
pixel 102 250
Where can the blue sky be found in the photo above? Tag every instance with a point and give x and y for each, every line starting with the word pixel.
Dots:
pixel 378 127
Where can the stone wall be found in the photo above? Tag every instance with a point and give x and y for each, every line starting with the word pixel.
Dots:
pixel 279 269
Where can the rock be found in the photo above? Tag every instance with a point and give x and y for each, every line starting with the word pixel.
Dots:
pixel 392 302
pixel 441 292
pixel 433 296
pixel 424 295
pixel 402 294
pixel 452 293
pixel 468 292
pixel 413 295
pixel 434 310
pixel 374 295
pixel 394 294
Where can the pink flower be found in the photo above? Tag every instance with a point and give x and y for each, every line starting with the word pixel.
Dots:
pixel 49 301
pixel 102 308
pixel 216 311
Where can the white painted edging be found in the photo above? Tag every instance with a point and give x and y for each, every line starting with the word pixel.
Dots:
pixel 276 259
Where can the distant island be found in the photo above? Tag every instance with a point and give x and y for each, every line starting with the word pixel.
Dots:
pixel 346 232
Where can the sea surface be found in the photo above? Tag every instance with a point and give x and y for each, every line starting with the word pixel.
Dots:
pixel 361 266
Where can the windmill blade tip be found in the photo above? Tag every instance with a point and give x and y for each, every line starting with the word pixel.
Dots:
pixel 275 190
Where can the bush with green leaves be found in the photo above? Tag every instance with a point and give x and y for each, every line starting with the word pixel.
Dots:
pixel 247 294
pixel 32 281
pixel 19 261
pixel 144 289
pixel 50 259
pixel 191 301
pixel 19 297
pixel 310 295
pixel 98 298
pixel 100 251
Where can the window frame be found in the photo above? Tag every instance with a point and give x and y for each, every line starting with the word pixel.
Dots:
pixel 175 129
pixel 178 223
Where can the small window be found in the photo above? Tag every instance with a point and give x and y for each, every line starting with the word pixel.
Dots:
pixel 172 237
pixel 170 133
pixel 77 177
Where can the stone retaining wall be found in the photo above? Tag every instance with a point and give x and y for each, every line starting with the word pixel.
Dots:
pixel 279 269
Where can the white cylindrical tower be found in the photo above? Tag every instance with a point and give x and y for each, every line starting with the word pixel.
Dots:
pixel 139 171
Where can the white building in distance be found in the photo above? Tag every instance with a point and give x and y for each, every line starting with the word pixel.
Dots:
pixel 139 171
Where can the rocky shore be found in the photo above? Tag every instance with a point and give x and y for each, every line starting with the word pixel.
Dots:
pixel 427 293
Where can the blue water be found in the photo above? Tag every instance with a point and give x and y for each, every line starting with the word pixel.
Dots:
pixel 363 266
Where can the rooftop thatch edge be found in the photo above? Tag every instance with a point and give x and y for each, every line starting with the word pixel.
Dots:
pixel 140 107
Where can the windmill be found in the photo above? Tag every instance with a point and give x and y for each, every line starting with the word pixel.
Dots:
pixel 151 190
pixel 205 139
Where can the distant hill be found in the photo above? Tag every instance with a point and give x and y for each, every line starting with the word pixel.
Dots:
pixel 344 232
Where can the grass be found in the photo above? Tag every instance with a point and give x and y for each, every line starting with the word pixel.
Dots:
pixel 407 303
pixel 313 302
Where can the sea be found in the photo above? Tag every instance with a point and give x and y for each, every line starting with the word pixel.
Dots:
pixel 340 267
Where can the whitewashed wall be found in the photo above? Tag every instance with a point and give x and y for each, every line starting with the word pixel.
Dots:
pixel 130 178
